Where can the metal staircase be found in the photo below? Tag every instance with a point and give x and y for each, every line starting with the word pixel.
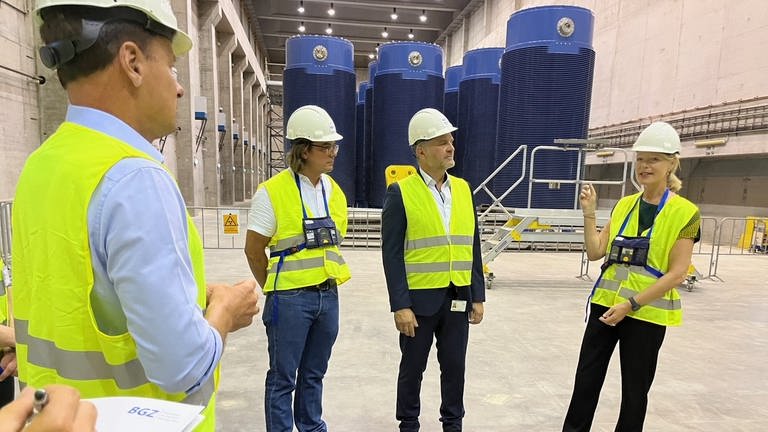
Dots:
pixel 541 229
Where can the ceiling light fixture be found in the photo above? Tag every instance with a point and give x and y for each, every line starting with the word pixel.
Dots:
pixel 329 30
pixel 302 28
pixel 410 34
pixel 393 15
pixel 331 10
pixel 423 16
pixel 300 9
pixel 385 33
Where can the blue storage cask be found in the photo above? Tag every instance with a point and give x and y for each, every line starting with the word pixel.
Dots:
pixel 545 93
pixel 452 77
pixel 372 66
pixel 319 70
pixel 361 200
pixel 409 77
pixel 478 116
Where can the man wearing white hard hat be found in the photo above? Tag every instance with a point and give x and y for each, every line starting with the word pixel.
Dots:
pixel 300 215
pixel 647 246
pixel 434 271
pixel 110 294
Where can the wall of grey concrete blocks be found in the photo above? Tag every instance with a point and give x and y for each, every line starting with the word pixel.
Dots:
pixel 218 28
pixel 20 119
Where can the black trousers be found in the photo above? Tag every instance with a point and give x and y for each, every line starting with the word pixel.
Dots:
pixel 451 329
pixel 7 389
pixel 639 344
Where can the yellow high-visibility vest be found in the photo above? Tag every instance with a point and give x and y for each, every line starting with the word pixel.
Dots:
pixel 434 258
pixel 307 266
pixel 57 336
pixel 610 290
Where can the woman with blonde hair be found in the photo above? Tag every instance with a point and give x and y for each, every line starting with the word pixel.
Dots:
pixel 647 246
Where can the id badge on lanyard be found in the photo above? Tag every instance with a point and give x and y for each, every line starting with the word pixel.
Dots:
pixel 632 251
pixel 318 232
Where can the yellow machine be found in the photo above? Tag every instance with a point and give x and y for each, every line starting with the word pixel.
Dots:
pixel 394 173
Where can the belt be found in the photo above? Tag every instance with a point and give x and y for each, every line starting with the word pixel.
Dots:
pixel 326 285
pixel 322 286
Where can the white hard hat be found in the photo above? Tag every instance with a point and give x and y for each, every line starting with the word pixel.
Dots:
pixel 313 123
pixel 156 16
pixel 426 124
pixel 658 137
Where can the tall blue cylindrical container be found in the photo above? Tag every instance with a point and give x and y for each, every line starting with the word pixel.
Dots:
pixel 409 78
pixel 545 93
pixel 368 141
pixel 319 70
pixel 361 200
pixel 477 119
pixel 453 75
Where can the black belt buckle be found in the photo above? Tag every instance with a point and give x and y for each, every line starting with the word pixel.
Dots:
pixel 323 286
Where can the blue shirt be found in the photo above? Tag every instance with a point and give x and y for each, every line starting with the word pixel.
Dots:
pixel 143 279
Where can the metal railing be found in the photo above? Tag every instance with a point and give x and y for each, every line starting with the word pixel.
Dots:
pixel 740 117
pixel 5 230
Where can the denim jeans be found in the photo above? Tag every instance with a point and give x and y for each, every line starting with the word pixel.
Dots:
pixel 300 335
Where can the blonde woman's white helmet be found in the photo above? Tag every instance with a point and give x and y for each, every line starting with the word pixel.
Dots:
pixel 658 137
pixel 426 124
pixel 313 123
pixel 156 16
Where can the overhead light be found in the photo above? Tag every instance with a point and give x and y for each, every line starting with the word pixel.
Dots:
pixel 385 33
pixel 302 28
pixel 423 16
pixel 393 15
pixel 371 56
pixel 410 34
pixel 329 30
pixel 300 9
pixel 331 10
pixel 711 142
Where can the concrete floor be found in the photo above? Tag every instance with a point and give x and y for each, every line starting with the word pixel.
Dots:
pixel 712 374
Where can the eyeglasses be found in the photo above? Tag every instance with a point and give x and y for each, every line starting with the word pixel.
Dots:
pixel 328 149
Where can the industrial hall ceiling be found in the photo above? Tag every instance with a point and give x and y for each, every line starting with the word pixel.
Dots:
pixel 365 23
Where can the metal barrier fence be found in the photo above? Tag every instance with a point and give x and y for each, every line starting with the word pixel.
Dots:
pixel 5 230
pixel 226 227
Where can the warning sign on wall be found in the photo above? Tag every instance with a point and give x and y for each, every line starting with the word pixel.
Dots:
pixel 230 224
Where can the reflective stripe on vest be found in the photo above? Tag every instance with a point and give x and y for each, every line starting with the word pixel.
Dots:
pixel 308 266
pixel 434 258
pixel 58 339
pixel 612 289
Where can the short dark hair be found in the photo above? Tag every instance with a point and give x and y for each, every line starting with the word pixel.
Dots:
pixel 65 22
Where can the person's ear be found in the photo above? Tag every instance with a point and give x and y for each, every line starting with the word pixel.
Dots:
pixel 132 61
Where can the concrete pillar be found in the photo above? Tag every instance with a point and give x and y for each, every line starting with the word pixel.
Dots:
pixel 239 63
pixel 248 123
pixel 209 15
pixel 227 43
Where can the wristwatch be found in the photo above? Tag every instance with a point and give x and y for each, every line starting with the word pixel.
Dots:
pixel 635 305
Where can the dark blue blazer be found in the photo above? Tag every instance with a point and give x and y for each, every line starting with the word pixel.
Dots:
pixel 424 302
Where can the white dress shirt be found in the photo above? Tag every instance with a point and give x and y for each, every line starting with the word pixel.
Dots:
pixel 261 217
pixel 442 197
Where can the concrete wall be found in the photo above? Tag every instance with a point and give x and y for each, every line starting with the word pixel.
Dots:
pixel 20 119
pixel 34 112
pixel 655 57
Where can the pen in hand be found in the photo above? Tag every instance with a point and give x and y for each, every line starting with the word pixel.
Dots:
pixel 41 399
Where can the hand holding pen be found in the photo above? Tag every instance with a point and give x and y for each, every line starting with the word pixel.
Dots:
pixel 53 409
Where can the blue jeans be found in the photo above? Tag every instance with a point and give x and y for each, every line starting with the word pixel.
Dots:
pixel 300 336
